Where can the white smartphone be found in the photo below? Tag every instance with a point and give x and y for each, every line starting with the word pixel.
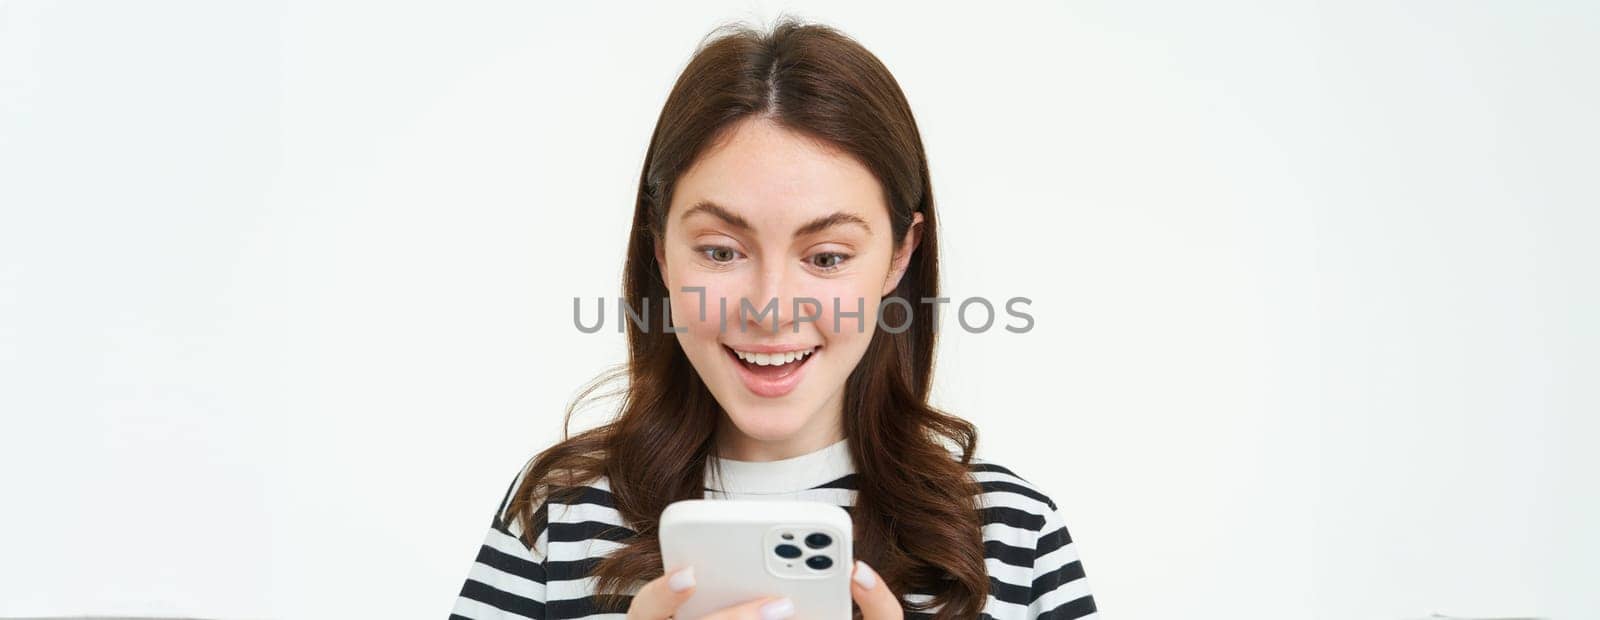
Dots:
pixel 743 550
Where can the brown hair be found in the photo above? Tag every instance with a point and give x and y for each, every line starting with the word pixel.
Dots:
pixel 916 514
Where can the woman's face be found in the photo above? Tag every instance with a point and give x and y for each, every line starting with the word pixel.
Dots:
pixel 765 219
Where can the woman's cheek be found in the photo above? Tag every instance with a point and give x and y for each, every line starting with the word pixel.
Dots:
pixel 698 307
pixel 847 312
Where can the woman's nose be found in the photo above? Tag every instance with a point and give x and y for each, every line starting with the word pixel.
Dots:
pixel 771 306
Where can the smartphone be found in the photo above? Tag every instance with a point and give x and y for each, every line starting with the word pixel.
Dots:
pixel 746 549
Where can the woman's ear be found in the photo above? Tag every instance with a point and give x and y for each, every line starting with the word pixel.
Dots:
pixel 661 259
pixel 902 258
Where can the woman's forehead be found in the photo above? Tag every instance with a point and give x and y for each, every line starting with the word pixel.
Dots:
pixel 770 175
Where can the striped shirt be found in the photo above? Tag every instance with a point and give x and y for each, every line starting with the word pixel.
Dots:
pixel 1034 570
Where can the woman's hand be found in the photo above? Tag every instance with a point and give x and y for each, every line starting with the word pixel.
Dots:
pixel 872 596
pixel 660 598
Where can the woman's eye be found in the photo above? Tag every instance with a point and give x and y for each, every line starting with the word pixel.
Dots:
pixel 719 254
pixel 828 260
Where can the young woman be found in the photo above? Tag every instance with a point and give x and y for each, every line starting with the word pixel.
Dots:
pixel 784 203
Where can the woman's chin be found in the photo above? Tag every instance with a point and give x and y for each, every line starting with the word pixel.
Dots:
pixel 761 427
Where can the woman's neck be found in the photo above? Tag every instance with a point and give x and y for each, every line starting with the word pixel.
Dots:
pixel 734 444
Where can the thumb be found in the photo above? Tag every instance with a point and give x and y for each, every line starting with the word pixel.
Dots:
pixel 872 595
pixel 662 596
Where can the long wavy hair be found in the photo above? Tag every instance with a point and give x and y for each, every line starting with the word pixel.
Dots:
pixel 915 515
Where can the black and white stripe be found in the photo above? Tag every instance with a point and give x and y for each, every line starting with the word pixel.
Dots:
pixel 1034 569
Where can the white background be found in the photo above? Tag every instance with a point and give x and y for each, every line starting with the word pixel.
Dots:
pixel 285 290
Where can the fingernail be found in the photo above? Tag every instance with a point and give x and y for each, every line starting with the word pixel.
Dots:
pixel 777 610
pixel 682 580
pixel 865 576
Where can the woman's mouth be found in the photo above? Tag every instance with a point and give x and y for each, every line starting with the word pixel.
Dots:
pixel 770 374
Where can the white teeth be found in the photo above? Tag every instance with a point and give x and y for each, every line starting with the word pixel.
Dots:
pixel 774 359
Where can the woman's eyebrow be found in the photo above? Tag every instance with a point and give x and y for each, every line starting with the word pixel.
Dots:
pixel 820 224
pixel 711 208
pixel 828 221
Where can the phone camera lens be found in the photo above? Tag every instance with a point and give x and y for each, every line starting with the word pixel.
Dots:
pixel 818 540
pixel 788 551
pixel 819 562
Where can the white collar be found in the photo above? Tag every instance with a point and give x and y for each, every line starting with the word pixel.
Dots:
pixel 783 476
